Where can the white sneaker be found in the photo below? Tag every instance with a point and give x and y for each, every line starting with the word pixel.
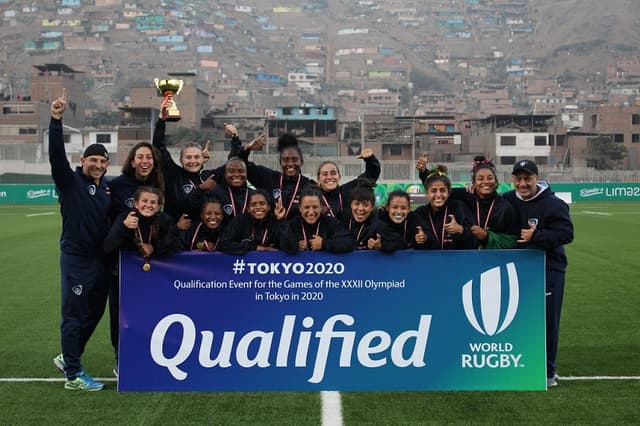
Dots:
pixel 58 361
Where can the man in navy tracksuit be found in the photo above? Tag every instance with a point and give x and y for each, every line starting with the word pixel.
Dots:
pixel 545 224
pixel 84 205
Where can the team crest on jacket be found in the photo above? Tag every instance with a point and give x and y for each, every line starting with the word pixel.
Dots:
pixel 129 202
pixel 77 289
pixel 532 221
pixel 187 188
pixel 276 193
pixel 91 189
pixel 228 209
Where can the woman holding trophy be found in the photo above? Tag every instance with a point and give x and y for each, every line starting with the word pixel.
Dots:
pixel 184 183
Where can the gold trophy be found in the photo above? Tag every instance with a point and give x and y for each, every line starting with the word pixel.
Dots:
pixel 169 88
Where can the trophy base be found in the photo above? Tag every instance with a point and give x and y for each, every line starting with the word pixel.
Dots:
pixel 171 115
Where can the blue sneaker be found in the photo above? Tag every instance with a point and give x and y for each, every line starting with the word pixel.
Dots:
pixel 59 362
pixel 83 382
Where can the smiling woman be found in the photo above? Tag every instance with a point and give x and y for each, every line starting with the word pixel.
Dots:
pixel 312 230
pixel 336 198
pixel 287 183
pixel 494 223
pixel 260 228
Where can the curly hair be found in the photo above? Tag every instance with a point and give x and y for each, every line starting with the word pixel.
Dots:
pixel 155 177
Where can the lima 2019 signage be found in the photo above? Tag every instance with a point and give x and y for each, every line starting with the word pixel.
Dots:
pixel 600 191
pixel 455 320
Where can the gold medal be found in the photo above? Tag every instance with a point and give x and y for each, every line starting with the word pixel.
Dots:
pixel 146 267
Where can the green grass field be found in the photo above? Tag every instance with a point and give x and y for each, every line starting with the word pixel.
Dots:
pixel 600 336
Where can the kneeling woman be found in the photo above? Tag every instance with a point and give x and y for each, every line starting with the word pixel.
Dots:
pixel 369 231
pixel 260 228
pixel 205 234
pixel 397 215
pixel 313 230
pixel 145 229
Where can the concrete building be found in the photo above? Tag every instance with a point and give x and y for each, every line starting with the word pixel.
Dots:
pixel 315 127
pixel 620 123
pixel 507 138
pixel 23 119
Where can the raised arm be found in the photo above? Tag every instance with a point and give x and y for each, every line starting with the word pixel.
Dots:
pixel 60 168
pixel 371 165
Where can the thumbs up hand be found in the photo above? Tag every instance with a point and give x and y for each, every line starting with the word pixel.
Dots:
pixel 375 243
pixel 479 232
pixel 131 221
pixel 421 237
pixel 453 227
pixel 527 234
pixel 184 222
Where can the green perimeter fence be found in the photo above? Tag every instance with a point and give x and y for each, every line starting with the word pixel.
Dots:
pixel 45 193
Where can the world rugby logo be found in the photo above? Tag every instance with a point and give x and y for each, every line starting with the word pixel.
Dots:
pixel 490 300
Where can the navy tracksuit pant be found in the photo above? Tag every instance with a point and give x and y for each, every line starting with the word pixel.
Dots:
pixel 554 294
pixel 84 290
pixel 114 306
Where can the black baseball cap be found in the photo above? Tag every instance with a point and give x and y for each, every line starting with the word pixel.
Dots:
pixel 527 166
pixel 96 149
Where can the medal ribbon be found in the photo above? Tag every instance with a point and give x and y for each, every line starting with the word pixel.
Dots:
pixel 435 232
pixel 195 235
pixel 329 205
pixel 304 233
pixel 140 234
pixel 293 197
pixel 359 231
pixel 233 203
pixel 486 222
pixel 264 236
pixel 194 185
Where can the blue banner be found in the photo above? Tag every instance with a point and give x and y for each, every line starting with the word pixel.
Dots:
pixel 414 320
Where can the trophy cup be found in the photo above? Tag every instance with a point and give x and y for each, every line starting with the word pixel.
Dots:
pixel 169 88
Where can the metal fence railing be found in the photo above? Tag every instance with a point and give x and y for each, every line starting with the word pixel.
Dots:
pixel 29 159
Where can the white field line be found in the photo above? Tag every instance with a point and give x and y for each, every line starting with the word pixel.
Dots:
pixel 599 378
pixel 328 397
pixel 40 214
pixel 331 408
pixel 48 379
pixel 597 213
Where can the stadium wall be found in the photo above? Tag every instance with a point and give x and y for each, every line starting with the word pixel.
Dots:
pixel 45 193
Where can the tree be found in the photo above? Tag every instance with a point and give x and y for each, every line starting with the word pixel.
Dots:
pixel 604 154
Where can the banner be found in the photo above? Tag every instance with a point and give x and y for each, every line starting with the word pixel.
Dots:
pixel 45 193
pixel 417 195
pixel 414 320
pixel 31 193
pixel 596 191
